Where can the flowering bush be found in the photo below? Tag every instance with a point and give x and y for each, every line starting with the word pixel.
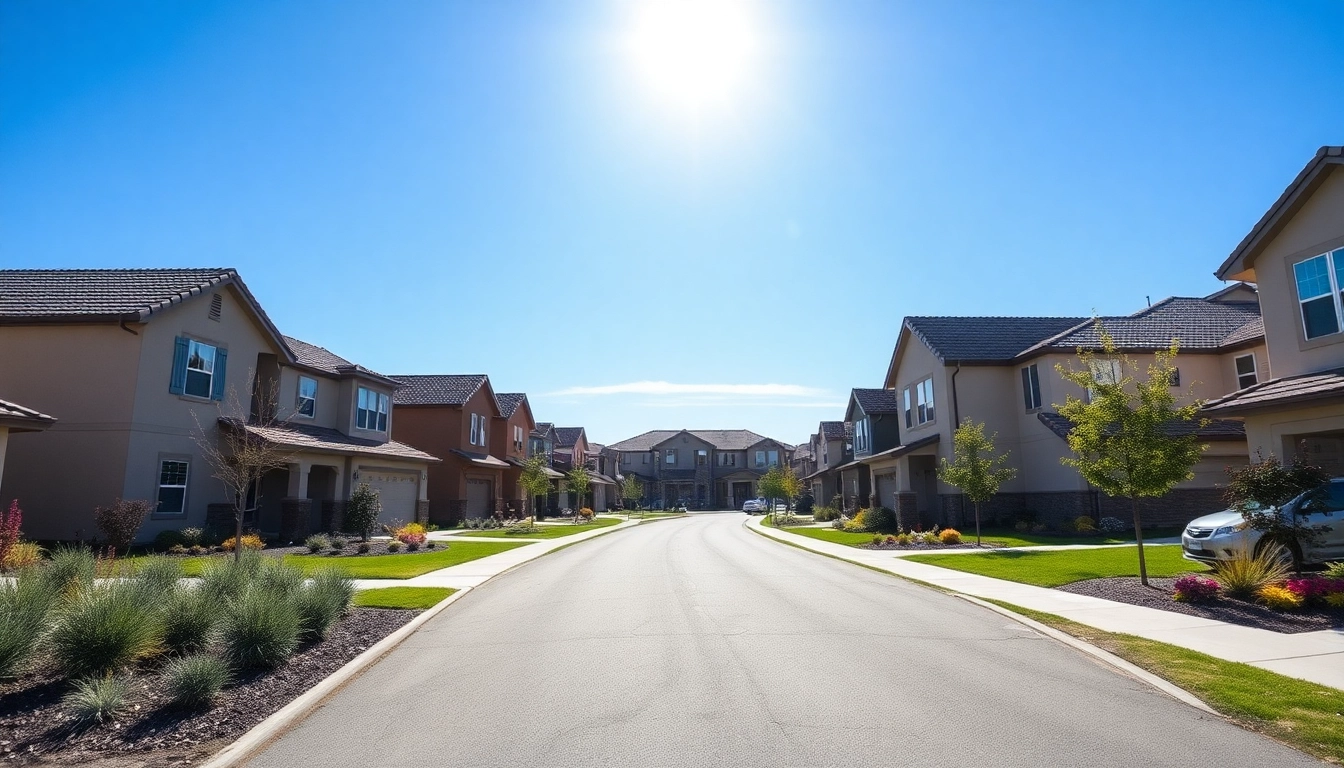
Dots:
pixel 9 530
pixel 21 554
pixel 1313 589
pixel 249 541
pixel 931 537
pixel 1195 589
pixel 1111 525
pixel 949 536
pixel 411 534
pixel 859 522
pixel 890 540
pixel 1279 598
pixel 1084 524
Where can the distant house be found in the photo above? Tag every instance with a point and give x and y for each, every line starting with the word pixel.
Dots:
pixel 143 364
pixel 832 448
pixel 705 468
pixel 1290 388
pixel 875 416
pixel 510 440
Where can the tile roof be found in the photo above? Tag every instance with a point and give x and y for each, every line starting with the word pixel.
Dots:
pixel 567 436
pixel 106 294
pixel 1251 332
pixel 985 339
pixel 437 389
pixel 877 400
pixel 509 402
pixel 21 418
pixel 1199 324
pixel 835 430
pixel 305 437
pixel 1307 387
pixel 326 361
pixel 1216 429
pixel 722 439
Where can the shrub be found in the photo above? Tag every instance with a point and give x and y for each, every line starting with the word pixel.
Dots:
pixel 324 600
pixel 1112 525
pixel 949 536
pixel 904 539
pixel 196 550
pixel 249 541
pixel 362 511
pixel 224 579
pixel 1084 524
pixel 120 522
pixel 586 513
pixel 412 546
pixel 1335 600
pixel 70 570
pixel 430 544
pixel 24 605
pixel 859 522
pixel 189 617
pixel 877 539
pixel 882 519
pixel 825 514
pixel 363 547
pixel 1334 570
pixel 9 529
pixel 281 581
pixel 394 546
pixel 103 629
pixel 805 504
pixel 316 543
pixel 931 537
pixel 1244 575
pixel 194 681
pixel 1021 526
pixel 157 576
pixel 1314 590
pixel 1279 598
pixel 337 543
pixel 1195 589
pixel 259 631
pixel 177 549
pixel 192 536
pixel 97 700
pixel 21 555
pixel 164 541
pixel 890 540
pixel 414 533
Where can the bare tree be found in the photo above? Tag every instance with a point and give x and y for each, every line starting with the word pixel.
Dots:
pixel 237 455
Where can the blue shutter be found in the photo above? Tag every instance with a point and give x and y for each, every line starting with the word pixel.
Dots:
pixel 178 383
pixel 217 383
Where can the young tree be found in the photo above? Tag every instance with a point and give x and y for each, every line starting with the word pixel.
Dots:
pixel 1126 437
pixel 632 490
pixel 1259 492
pixel 577 481
pixel 362 510
pixel 534 480
pixel 779 483
pixel 239 457
pixel 975 469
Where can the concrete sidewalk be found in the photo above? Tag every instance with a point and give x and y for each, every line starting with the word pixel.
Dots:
pixel 1314 656
pixel 476 572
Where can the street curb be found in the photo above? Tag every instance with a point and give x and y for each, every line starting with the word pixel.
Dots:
pixel 1105 657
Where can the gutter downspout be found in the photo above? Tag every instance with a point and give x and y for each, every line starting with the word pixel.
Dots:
pixel 956 412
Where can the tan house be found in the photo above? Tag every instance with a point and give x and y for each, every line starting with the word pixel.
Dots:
pixel 832 448
pixel 704 468
pixel 176 355
pixel 1294 401
pixel 14 418
pixel 1002 371
pixel 509 440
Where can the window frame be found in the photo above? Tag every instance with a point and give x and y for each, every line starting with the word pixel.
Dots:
pixel 192 344
pixel 1254 372
pixel 670 456
pixel 380 404
pixel 1095 367
pixel 1334 264
pixel 160 486
pixel 299 398
pixel 862 443
pixel 701 457
pixel 925 410
pixel 1031 387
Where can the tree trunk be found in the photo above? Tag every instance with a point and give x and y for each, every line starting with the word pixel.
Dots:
pixel 237 535
pixel 977 523
pixel 1138 538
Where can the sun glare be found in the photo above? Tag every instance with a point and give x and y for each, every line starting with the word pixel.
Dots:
pixel 695 55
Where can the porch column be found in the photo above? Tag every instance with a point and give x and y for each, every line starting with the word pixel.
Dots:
pixel 296 507
pixel 298 479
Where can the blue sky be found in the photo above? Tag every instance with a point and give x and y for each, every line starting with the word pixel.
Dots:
pixel 496 187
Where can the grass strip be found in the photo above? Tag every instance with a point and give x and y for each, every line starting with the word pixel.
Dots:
pixel 401 566
pixel 1052 569
pixel 1303 715
pixel 546 531
pixel 416 598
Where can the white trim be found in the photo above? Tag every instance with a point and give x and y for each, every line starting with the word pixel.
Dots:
pixel 1254 372
pixel 1337 301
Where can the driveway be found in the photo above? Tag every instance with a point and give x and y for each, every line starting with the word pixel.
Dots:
pixel 695 642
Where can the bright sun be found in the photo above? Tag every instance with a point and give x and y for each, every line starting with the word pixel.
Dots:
pixel 695 55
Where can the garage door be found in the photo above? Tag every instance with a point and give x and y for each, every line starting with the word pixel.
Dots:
pixel 398 492
pixel 479 499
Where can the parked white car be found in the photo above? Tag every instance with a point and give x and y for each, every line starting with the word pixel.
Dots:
pixel 755 506
pixel 1221 535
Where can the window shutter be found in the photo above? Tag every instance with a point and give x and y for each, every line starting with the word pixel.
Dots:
pixel 217 384
pixel 177 384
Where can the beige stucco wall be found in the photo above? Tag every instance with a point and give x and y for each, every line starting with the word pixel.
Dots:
pixel 686 445
pixel 1316 228
pixel 4 445
pixel 1275 433
pixel 1263 369
pixel 330 407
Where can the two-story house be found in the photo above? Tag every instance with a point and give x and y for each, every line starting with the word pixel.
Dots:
pixel 452 416
pixel 145 366
pixel 509 440
pixel 703 468
pixel 1292 394
pixel 869 479
pixel 832 448
pixel 1002 371
pixel 603 464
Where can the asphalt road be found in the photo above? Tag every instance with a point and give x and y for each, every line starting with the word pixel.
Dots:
pixel 698 643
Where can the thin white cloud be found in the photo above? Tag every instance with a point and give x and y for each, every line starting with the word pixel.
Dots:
pixel 668 388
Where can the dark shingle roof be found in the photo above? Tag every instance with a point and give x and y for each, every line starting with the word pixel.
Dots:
pixel 509 402
pixel 833 430
pixel 722 439
pixel 1216 429
pixel 437 389
pixel 311 438
pixel 877 400
pixel 322 359
pixel 567 436
pixel 1199 324
pixel 985 339
pixel 1323 385
pixel 111 294
pixel 1250 332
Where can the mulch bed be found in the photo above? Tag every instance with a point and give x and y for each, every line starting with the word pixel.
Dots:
pixel 922 547
pixel 35 730
pixel 351 549
pixel 1127 589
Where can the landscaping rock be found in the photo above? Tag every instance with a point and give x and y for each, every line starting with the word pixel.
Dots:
pixel 1128 589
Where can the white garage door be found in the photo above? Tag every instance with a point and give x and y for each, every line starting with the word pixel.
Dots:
pixel 479 498
pixel 398 492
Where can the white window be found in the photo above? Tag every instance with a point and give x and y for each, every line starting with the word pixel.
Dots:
pixel 909 414
pixel 200 369
pixel 1246 373
pixel 172 487
pixel 727 459
pixel 371 410
pixel 922 396
pixel 478 427
pixel 1320 293
pixel 670 456
pixel 861 436
pixel 760 459
pixel 772 458
pixel 1031 387
pixel 307 404
pixel 518 437
pixel 1104 371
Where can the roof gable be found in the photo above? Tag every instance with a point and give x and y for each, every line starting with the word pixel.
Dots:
pixel 438 389
pixel 985 339
pixel 1198 324
pixel 324 360
pixel 569 436
pixel 872 402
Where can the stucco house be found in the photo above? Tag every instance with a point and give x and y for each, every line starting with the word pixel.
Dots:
pixel 143 364
pixel 1293 400
pixel 14 419
pixel 510 440
pixel 832 448
pixel 874 417
pixel 1002 371
pixel 703 467
pixel 452 416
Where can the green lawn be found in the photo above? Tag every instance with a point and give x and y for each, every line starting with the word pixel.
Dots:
pixel 830 534
pixel 1301 714
pixel 1009 538
pixel 635 515
pixel 403 566
pixel 1051 569
pixel 402 597
pixel 548 531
